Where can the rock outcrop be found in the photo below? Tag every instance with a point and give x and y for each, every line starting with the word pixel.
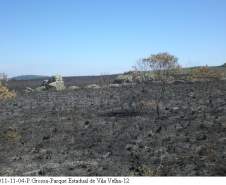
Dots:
pixel 55 83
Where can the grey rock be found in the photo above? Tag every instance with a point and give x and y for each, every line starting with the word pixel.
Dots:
pixel 55 82
pixel 28 90
pixel 114 85
pixel 44 82
pixel 175 108
pixel 93 86
pixel 41 88
pixel 73 87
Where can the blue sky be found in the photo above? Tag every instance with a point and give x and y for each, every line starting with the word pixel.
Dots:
pixel 86 37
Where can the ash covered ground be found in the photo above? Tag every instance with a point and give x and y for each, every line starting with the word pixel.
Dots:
pixel 114 131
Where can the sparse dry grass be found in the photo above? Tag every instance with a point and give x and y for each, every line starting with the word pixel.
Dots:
pixel 12 135
pixel 147 105
pixel 145 171
pixel 203 73
pixel 6 94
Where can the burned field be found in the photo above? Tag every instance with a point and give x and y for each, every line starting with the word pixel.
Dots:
pixel 115 131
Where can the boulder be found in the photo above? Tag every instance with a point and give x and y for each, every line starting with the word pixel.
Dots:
pixel 93 86
pixel 41 88
pixel 56 83
pixel 44 82
pixel 28 90
pixel 73 87
pixel 56 86
pixel 114 85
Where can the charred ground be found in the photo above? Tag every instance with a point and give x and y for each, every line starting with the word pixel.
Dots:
pixel 115 131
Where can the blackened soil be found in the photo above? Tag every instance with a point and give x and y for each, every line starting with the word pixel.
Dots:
pixel 116 131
